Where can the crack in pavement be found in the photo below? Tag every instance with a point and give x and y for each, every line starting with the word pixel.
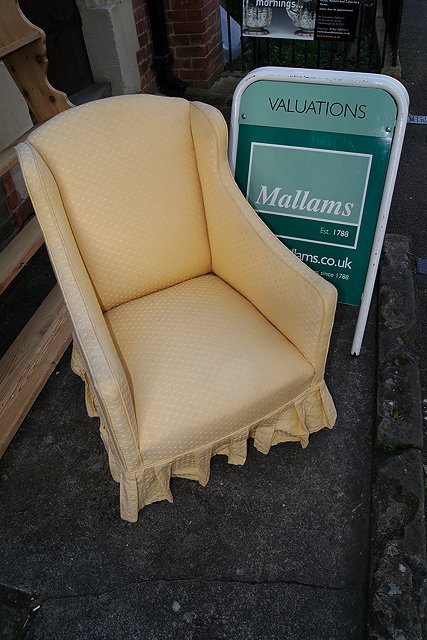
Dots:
pixel 198 579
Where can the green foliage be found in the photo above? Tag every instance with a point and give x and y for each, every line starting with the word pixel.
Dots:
pixel 407 339
pixel 394 448
pixel 397 413
pixel 391 447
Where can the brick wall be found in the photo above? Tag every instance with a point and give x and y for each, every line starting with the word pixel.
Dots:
pixel 143 56
pixel 195 40
pixel 15 206
pixel 194 33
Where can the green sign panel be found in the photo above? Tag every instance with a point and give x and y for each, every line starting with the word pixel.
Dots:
pixel 312 161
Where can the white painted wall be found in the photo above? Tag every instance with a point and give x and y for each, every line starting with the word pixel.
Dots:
pixel 14 115
pixel 111 41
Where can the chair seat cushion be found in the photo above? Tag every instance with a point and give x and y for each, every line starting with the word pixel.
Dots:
pixel 202 363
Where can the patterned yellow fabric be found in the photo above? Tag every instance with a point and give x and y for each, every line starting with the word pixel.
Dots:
pixel 248 256
pixel 99 362
pixel 194 327
pixel 127 175
pixel 203 363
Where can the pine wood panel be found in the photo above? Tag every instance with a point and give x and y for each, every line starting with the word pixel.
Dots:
pixel 17 253
pixel 28 68
pixel 14 27
pixel 30 360
pixel 18 44
pixel 34 354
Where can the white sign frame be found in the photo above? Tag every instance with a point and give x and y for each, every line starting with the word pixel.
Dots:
pixel 348 79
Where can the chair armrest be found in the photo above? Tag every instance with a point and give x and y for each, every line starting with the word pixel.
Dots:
pixel 101 361
pixel 247 255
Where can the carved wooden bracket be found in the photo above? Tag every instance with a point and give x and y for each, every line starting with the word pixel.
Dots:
pixel 23 51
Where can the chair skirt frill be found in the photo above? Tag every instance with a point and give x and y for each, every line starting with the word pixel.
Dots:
pixel 294 422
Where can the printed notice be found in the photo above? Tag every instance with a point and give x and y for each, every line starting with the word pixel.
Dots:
pixel 301 19
pixel 336 20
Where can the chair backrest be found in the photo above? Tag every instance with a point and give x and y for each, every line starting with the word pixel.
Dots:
pixel 127 174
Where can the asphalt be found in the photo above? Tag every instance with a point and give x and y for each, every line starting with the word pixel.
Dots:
pixel 297 545
pixel 280 543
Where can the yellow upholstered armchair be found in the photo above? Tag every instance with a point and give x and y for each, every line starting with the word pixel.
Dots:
pixel 194 327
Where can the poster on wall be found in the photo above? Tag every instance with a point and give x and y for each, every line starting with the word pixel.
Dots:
pixel 301 19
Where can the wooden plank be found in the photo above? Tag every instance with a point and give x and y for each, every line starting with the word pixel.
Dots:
pixel 8 159
pixel 18 44
pixel 14 26
pixel 18 252
pixel 30 360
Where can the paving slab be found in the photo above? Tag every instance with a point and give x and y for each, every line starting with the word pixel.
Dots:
pixel 15 613
pixel 201 610
pixel 295 518
pixel 398 598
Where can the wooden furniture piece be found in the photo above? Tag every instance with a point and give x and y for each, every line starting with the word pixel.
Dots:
pixel 34 354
